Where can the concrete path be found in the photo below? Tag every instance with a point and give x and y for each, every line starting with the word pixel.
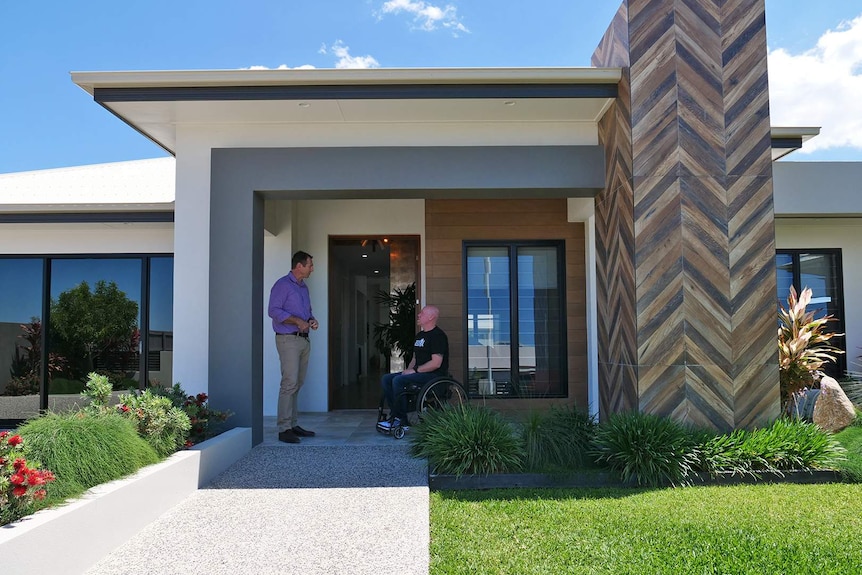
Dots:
pixel 358 508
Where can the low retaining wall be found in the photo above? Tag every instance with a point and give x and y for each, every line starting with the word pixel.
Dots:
pixel 72 538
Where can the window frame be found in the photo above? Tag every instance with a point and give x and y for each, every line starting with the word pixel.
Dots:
pixel 512 246
pixel 837 326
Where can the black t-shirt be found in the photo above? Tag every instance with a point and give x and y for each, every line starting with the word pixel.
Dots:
pixel 427 344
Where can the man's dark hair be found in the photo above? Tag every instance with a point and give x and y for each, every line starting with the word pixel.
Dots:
pixel 299 257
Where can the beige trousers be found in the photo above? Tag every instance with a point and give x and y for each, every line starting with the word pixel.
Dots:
pixel 293 352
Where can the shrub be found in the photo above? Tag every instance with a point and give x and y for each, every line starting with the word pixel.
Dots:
pixel 21 482
pixel 786 444
pixel 205 422
pixel 558 438
pixel 647 448
pixel 98 390
pixel 467 439
pixel 84 450
pixel 164 426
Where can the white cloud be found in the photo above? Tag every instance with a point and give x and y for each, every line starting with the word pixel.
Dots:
pixel 821 87
pixel 426 16
pixel 345 60
pixel 281 67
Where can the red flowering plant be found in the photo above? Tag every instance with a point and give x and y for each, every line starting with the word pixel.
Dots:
pixel 21 483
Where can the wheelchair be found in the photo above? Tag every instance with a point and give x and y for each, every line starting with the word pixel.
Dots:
pixel 420 398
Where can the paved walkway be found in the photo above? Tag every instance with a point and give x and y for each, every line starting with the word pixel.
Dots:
pixel 350 501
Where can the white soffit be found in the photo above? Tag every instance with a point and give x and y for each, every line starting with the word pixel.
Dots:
pixel 171 98
pixel 788 139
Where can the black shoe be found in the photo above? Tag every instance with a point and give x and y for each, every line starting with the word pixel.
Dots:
pixel 288 436
pixel 302 432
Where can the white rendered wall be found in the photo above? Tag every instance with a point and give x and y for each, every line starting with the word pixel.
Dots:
pixel 37 239
pixel 844 233
pixel 315 221
pixel 817 188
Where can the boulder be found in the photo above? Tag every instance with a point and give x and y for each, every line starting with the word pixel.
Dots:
pixel 833 411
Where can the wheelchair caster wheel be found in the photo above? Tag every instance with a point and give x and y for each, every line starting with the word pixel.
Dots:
pixel 399 432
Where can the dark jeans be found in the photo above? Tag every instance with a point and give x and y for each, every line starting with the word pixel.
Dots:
pixel 393 390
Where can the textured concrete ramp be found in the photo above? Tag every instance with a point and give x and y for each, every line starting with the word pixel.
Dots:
pixel 287 510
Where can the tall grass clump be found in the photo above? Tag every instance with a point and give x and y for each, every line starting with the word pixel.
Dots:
pixel 784 445
pixel 645 448
pixel 467 439
pixel 557 439
pixel 85 450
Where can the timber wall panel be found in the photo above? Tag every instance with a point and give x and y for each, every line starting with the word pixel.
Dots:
pixel 449 222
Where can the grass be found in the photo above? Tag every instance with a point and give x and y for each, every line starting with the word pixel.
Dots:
pixel 851 439
pixel 780 528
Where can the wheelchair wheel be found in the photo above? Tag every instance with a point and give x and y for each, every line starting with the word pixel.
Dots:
pixel 398 433
pixel 439 393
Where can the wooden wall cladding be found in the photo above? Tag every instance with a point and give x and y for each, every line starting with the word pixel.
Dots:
pixel 449 222
pixel 690 186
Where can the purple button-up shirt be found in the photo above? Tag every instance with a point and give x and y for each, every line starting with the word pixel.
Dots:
pixel 289 297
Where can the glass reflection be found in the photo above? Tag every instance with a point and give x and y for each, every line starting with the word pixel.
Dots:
pixel 20 337
pixel 488 320
pixel 160 343
pixel 94 325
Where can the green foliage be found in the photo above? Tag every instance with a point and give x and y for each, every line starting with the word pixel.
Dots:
pixel 556 439
pixel 851 440
pixel 647 448
pixel 98 390
pixel 85 450
pixel 162 425
pixel 786 444
pixel 205 422
pixel 87 323
pixel 803 344
pixel 467 439
pixel 399 333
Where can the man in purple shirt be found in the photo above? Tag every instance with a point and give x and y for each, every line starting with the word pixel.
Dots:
pixel 290 310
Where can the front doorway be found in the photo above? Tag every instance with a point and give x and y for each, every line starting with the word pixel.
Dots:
pixel 361 267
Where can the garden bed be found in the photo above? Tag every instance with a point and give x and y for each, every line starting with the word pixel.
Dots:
pixel 80 533
pixel 443 482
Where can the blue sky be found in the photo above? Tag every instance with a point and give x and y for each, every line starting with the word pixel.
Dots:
pixel 47 122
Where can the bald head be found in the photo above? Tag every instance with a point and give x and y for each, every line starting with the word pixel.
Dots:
pixel 428 317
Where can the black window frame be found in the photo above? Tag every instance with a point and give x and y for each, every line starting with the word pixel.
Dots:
pixel 145 259
pixel 837 326
pixel 512 247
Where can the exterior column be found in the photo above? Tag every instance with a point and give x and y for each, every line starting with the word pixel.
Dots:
pixel 684 229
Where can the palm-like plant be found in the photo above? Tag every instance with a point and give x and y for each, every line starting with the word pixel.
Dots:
pixel 803 345
pixel 398 334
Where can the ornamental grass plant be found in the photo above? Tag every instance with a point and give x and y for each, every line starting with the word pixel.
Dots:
pixel 85 450
pixel 467 439
pixel 557 439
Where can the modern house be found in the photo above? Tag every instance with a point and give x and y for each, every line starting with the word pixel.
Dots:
pixel 615 237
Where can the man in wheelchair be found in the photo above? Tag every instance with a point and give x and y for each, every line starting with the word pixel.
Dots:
pixel 430 360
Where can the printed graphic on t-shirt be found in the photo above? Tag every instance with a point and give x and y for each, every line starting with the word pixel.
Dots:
pixel 419 343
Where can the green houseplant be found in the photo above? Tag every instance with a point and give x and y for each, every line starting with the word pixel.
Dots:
pixel 398 334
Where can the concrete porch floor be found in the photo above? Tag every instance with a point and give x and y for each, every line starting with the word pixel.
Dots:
pixel 343 427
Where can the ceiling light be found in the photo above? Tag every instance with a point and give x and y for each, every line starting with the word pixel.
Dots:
pixel 365 255
pixel 509 103
pixel 304 104
pixel 377 271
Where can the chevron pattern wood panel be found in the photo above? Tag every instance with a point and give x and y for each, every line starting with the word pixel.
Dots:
pixel 696 110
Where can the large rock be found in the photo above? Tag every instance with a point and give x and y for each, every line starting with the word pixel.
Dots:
pixel 833 411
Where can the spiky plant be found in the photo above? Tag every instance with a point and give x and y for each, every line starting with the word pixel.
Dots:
pixel 803 344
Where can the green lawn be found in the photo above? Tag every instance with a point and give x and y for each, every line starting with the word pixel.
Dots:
pixel 762 529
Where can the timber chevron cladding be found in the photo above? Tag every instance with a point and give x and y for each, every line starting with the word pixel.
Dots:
pixel 685 234
pixel 449 222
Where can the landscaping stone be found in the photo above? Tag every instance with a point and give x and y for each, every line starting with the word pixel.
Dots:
pixel 833 410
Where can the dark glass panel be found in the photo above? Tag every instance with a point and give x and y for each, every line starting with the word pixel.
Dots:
pixel 20 337
pixel 160 355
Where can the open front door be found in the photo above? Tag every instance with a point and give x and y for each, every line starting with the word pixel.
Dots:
pixel 360 268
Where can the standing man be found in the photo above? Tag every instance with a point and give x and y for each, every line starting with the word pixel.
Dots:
pixel 430 360
pixel 290 310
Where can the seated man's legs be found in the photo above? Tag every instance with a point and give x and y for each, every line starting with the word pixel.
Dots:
pixel 388 391
pixel 399 383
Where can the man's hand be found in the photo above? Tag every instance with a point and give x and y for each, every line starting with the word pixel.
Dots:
pixel 312 323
